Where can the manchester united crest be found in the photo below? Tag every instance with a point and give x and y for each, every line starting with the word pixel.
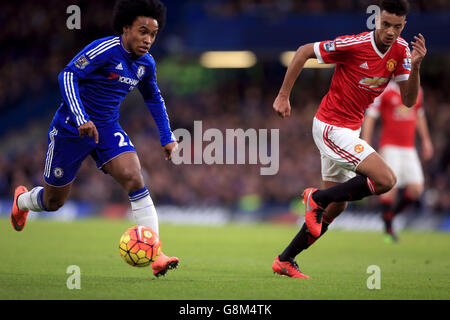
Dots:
pixel 359 148
pixel 391 65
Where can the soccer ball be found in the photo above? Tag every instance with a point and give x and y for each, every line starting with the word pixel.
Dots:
pixel 139 246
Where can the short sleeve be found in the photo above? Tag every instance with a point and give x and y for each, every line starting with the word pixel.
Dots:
pixel 403 69
pixel 335 51
pixel 92 57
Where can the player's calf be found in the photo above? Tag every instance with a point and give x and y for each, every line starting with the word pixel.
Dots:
pixel 131 180
pixel 53 204
pixel 126 170
pixel 54 197
pixel 334 209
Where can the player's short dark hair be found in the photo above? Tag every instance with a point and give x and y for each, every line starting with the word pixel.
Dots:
pixel 397 7
pixel 126 11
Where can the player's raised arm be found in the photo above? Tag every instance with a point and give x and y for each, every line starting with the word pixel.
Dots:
pixel 410 89
pixel 422 129
pixel 155 103
pixel 281 104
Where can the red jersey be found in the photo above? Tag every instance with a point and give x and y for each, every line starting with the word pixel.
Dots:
pixel 362 73
pixel 398 121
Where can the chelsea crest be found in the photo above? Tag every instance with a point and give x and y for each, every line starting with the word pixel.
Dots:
pixel 140 72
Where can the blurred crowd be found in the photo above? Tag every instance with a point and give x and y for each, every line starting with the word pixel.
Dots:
pixel 36 43
pixel 230 106
pixel 238 7
pixel 36 50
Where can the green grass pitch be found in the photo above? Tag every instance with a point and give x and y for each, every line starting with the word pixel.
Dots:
pixel 226 262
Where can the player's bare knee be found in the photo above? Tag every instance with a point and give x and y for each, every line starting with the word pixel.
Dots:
pixel 133 180
pixel 386 183
pixel 392 180
pixel 415 191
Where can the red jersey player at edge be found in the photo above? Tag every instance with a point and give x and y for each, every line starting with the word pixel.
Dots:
pixel 351 169
pixel 397 147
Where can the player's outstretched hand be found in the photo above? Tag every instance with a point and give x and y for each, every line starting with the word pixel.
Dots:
pixel 419 50
pixel 169 149
pixel 282 106
pixel 88 129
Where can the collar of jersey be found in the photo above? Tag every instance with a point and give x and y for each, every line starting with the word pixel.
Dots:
pixel 374 45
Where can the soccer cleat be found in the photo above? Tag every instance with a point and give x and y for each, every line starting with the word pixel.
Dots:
pixel 164 263
pixel 18 216
pixel 390 238
pixel 288 268
pixel 313 213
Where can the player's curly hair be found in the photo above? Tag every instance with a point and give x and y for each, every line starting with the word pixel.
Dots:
pixel 126 11
pixel 397 7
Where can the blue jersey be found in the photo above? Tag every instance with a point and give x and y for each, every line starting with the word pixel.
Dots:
pixel 96 81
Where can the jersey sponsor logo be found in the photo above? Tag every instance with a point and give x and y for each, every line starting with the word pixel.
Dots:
pixel 113 75
pixel 126 80
pixel 391 65
pixel 364 65
pixel 329 46
pixel 129 81
pixel 140 72
pixel 119 66
pixel 359 148
pixel 81 62
pixel 374 82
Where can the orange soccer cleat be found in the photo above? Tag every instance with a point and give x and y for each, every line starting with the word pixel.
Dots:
pixel 164 263
pixel 313 213
pixel 18 216
pixel 288 268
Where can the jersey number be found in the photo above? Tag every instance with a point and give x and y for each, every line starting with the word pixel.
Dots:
pixel 122 142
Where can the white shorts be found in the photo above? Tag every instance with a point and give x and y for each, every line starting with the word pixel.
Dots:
pixel 341 150
pixel 405 163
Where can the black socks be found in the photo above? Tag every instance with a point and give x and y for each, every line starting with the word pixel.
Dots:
pixel 389 210
pixel 302 241
pixel 356 188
